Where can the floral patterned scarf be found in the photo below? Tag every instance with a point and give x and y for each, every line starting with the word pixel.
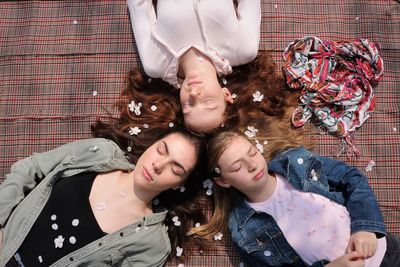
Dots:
pixel 335 79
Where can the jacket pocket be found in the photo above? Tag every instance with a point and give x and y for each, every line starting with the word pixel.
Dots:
pixel 262 247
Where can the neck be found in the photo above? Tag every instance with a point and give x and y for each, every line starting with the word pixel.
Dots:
pixel 142 197
pixel 264 192
pixel 194 60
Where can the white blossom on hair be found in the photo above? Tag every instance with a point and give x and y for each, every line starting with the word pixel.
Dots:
pixel 176 221
pixel 133 107
pixel 251 131
pixel 258 97
pixel 134 130
pixel 259 146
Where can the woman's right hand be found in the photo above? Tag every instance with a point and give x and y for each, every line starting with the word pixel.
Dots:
pixel 351 259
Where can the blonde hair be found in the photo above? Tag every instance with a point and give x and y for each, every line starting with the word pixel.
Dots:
pixel 280 136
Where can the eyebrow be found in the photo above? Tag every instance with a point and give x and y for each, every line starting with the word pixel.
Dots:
pixel 177 163
pixel 248 151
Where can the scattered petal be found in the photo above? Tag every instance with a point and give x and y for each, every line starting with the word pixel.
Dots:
pixel 217 170
pixel 300 161
pixel 94 93
pixel 314 175
pixel 72 240
pixel 133 107
pixel 197 225
pixel 208 184
pixel 370 165
pixel 177 223
pixel 171 124
pixel 265 142
pixel 182 189
pixel 94 148
pixel 251 131
pixel 209 192
pixel 53 217
pixel 224 81
pixel 58 242
pixel 145 126
pixel 179 251
pixel 357 18
pixel 54 226
pixel 260 147
pixel 40 259
pixel 101 206
pixel 134 130
pixel 153 107
pixel 234 96
pixel 218 236
pixel 394 129
pixel 75 222
pixel 258 97
pixel 129 149
pixel 175 218
pixel 275 6
pixel 267 253
pixel 75 22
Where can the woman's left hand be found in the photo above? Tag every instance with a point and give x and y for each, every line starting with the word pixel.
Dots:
pixel 363 242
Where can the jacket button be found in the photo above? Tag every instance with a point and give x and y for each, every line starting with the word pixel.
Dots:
pixel 300 161
pixel 267 253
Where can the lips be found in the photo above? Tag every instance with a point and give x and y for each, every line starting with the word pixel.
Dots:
pixel 259 175
pixel 147 175
pixel 194 81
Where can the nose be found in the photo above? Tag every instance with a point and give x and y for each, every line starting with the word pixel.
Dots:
pixel 194 90
pixel 158 166
pixel 251 165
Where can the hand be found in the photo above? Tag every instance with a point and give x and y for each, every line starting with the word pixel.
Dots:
pixel 351 259
pixel 363 242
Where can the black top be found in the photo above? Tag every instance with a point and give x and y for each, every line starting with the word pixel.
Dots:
pixel 66 223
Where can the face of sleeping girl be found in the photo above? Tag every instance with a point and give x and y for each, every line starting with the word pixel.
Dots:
pixel 203 101
pixel 165 164
pixel 243 167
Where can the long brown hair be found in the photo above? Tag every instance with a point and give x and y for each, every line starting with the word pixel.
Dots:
pixel 159 116
pixel 259 75
pixel 278 136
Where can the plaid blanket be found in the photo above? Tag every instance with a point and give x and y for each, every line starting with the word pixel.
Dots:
pixel 63 63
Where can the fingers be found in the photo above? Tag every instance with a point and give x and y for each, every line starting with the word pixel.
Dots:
pixel 363 242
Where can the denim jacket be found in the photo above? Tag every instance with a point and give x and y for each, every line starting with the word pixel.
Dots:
pixel 142 243
pixel 257 236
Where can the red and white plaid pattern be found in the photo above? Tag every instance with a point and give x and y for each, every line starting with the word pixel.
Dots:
pixel 63 63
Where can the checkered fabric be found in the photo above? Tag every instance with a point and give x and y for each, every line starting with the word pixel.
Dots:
pixel 63 63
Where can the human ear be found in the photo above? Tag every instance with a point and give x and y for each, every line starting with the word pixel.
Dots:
pixel 221 181
pixel 227 95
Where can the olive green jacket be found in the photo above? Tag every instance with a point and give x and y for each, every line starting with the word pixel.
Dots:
pixel 143 243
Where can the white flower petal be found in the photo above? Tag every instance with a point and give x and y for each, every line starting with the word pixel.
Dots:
pixel 54 226
pixel 75 222
pixel 53 217
pixel 153 107
pixel 134 130
pixel 72 240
